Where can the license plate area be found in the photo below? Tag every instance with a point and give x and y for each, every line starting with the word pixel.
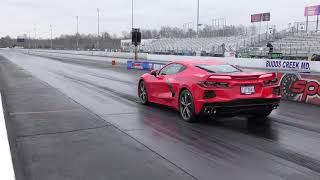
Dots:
pixel 248 90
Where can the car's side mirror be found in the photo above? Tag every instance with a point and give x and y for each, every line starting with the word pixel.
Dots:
pixel 154 72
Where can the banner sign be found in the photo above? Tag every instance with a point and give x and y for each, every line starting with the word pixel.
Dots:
pixel 260 17
pixel 138 65
pixel 144 65
pixel 288 65
pixel 312 11
pixel 300 87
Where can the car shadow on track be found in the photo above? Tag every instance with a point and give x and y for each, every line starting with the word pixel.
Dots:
pixel 237 124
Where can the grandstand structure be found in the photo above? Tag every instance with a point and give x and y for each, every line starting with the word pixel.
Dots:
pixel 189 46
pixel 295 45
pixel 194 44
pixel 292 43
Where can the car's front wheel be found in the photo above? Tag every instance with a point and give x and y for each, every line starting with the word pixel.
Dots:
pixel 142 92
pixel 186 106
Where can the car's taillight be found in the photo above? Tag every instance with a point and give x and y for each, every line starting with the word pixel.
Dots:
pixel 271 82
pixel 210 84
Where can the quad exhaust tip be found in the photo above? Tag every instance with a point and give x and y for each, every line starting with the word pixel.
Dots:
pixel 210 110
pixel 275 107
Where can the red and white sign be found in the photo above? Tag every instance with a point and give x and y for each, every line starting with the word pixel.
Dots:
pixel 137 66
pixel 311 11
pixel 300 87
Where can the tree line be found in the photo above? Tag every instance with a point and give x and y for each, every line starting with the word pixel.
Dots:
pixel 77 41
pixel 205 31
pixel 106 41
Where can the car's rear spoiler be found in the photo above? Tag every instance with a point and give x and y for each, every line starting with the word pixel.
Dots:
pixel 265 76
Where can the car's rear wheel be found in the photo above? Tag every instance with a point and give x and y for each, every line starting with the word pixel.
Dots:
pixel 142 92
pixel 186 106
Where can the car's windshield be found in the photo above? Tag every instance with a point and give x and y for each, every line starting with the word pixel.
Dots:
pixel 225 68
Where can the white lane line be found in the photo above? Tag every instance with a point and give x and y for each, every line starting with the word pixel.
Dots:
pixel 42 112
pixel 6 166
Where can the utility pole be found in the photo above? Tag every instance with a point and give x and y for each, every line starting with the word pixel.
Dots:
pixel 98 10
pixel 224 22
pixel 51 36
pixel 198 9
pixel 35 37
pixel 29 39
pixel 77 35
pixel 260 30
pixel 132 14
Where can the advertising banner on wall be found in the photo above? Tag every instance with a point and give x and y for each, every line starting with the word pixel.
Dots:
pixel 290 65
pixel 145 65
pixel 312 11
pixel 300 87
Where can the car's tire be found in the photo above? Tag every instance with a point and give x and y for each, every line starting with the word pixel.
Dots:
pixel 186 106
pixel 142 92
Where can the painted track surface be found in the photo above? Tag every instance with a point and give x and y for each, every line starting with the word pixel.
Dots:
pixel 286 148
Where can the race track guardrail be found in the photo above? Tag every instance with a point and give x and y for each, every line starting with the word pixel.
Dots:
pixel 270 64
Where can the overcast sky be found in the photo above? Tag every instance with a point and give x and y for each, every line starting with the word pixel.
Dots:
pixel 23 16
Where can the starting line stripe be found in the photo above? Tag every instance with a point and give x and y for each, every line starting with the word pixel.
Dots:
pixel 6 166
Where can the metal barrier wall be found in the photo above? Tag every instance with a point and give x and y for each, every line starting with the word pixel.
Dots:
pixel 274 64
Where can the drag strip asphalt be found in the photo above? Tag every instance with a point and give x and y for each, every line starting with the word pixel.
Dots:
pixel 229 148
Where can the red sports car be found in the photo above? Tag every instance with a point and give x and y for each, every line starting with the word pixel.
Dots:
pixel 212 88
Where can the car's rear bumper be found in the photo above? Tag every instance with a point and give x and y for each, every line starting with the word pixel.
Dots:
pixel 240 106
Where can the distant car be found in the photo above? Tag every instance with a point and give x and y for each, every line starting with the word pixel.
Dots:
pixel 211 88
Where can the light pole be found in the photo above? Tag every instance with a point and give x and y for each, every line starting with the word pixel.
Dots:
pixel 51 36
pixel 35 37
pixel 198 9
pixel 77 17
pixel 132 14
pixel 77 35
pixel 98 10
pixel 29 39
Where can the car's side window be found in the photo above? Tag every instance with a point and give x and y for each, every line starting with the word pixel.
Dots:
pixel 163 71
pixel 172 69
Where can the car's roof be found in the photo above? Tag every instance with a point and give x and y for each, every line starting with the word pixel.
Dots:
pixel 196 62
